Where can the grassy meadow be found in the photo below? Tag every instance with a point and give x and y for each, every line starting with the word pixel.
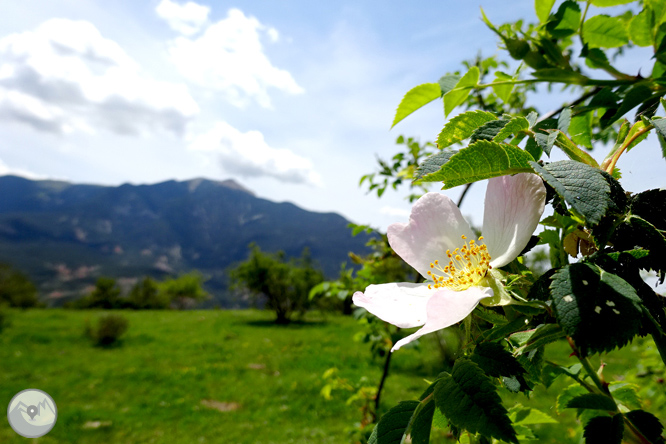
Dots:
pixel 213 377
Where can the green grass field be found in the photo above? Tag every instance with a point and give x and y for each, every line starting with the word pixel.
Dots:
pixel 208 377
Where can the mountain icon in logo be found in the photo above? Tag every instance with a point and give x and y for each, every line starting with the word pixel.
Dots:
pixel 32 413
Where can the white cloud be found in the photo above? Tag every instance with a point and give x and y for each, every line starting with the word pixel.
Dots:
pixel 229 57
pixel 66 76
pixel 6 170
pixel 248 155
pixel 186 19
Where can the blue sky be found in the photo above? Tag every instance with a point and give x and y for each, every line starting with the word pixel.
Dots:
pixel 292 99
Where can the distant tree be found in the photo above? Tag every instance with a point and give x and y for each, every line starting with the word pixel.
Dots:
pixel 105 295
pixel 146 295
pixel 184 290
pixel 284 283
pixel 16 289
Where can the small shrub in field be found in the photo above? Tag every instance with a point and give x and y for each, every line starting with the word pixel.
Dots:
pixel 108 330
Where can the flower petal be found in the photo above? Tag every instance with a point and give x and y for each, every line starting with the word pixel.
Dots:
pixel 399 303
pixel 513 207
pixel 445 308
pixel 435 226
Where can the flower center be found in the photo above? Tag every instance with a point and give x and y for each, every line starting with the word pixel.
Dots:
pixel 467 265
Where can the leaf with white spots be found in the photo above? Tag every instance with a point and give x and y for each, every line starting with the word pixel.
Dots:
pixel 599 310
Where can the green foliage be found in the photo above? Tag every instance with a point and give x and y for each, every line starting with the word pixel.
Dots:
pixel 602 31
pixel 393 424
pixel 481 160
pixel 601 301
pixel 183 291
pixel 592 401
pixel 469 400
pixel 108 330
pixel 583 187
pixel 599 310
pixel 105 295
pixel 416 98
pixel 604 429
pixel 16 289
pixel 284 283
pixel 497 362
pixel 647 424
pixel 459 93
pixel 462 126
pixel 146 295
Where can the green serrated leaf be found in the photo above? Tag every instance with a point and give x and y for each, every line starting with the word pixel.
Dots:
pixel 416 98
pixel 529 416
pixel 595 58
pixel 647 424
pixel 635 232
pixel 504 330
pixel 462 126
pixel 541 141
pixel 503 91
pixel 602 31
pixel 565 21
pixel 514 126
pixel 564 120
pixel 604 429
pixel 635 96
pixel 421 423
pixel 479 161
pixel 457 95
pixel 651 206
pixel 433 163
pixel 488 130
pixel 496 361
pixel 583 187
pixel 581 129
pixel 636 254
pixel 542 335
pixel 489 316
pixel 660 125
pixel 448 82
pixel 392 425
pixel 552 372
pixel 470 401
pixel 592 401
pixel 532 361
pixel 599 310
pixel 567 395
pixel 626 394
pixel 640 28
pixel 543 8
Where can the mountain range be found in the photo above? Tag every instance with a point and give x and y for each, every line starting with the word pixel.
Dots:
pixel 64 236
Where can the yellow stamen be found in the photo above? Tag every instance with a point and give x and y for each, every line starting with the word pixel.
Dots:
pixel 467 266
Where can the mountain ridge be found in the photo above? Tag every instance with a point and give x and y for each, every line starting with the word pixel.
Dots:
pixel 64 235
